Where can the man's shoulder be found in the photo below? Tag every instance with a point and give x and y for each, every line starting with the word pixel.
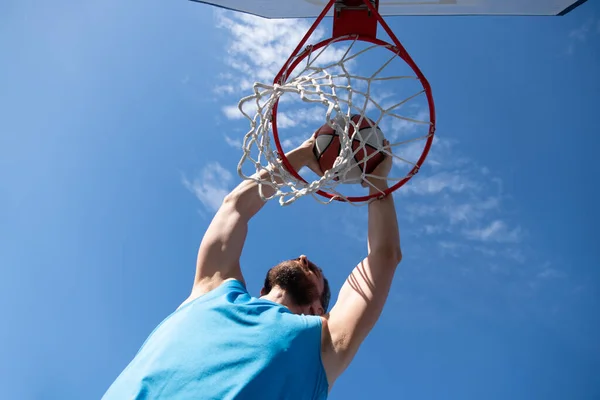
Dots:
pixel 214 288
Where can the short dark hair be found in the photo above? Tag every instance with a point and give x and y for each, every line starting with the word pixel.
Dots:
pixel 325 296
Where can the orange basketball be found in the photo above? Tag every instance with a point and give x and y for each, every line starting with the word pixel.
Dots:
pixel 367 141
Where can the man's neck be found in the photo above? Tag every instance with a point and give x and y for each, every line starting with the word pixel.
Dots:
pixel 280 296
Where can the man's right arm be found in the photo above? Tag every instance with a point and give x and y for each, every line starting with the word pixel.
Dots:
pixel 221 248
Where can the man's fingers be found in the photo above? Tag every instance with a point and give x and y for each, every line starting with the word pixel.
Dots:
pixel 314 167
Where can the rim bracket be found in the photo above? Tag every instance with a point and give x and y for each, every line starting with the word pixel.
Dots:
pixel 351 17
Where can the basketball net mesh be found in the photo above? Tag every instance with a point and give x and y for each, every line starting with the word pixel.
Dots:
pixel 343 93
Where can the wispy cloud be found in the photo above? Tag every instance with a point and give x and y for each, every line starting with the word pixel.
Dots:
pixel 224 89
pixel 582 33
pixel 233 142
pixel 396 128
pixel 259 47
pixel 515 254
pixel 301 117
pixel 440 156
pixel 551 273
pixel 454 182
pixel 256 50
pixel 285 121
pixel 292 142
pixel 408 154
pixel 232 112
pixel 450 212
pixel 450 184
pixel 458 204
pixel 496 231
pixel 433 229
pixel 211 185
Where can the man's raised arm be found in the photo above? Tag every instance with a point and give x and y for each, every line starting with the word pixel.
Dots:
pixel 364 293
pixel 221 247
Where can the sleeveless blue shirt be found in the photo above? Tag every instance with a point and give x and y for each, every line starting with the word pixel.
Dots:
pixel 228 345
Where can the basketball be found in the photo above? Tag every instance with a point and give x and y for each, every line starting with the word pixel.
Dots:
pixel 367 141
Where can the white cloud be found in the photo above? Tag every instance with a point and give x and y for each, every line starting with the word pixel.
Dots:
pixel 497 231
pixel 211 186
pixel 454 182
pixel 237 143
pixel 515 254
pixel 408 154
pixel 440 155
pixel 511 254
pixel 448 245
pixel 284 121
pixel 292 142
pixel 455 211
pixel 459 194
pixel 451 248
pixel 397 127
pixel 461 203
pixel 309 116
pixel 259 47
pixel 224 89
pixel 461 213
pixel 301 117
pixel 551 273
pixel 486 251
pixel 582 33
pixel 232 112
pixel 433 229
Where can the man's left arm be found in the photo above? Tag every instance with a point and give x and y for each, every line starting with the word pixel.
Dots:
pixel 365 291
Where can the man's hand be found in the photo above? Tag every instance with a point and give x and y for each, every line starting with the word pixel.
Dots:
pixel 307 155
pixel 377 180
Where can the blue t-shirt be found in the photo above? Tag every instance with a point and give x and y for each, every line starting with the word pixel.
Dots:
pixel 225 345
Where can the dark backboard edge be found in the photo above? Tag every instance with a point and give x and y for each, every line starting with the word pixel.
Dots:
pixel 571 8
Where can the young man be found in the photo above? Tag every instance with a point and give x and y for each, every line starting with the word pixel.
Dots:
pixel 222 343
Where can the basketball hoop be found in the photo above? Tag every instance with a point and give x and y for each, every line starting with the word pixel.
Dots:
pixel 316 77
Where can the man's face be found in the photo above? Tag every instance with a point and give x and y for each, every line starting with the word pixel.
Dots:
pixel 303 281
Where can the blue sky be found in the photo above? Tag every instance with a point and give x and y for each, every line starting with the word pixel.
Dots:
pixel 117 136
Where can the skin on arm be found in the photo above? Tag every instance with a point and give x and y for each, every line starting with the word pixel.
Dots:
pixel 365 291
pixel 221 247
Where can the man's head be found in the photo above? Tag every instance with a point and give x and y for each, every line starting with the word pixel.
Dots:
pixel 303 283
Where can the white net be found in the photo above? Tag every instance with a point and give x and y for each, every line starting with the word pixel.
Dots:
pixel 334 82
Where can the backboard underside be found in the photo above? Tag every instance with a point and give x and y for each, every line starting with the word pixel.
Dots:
pixel 312 8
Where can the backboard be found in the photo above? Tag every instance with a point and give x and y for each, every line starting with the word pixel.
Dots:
pixel 312 8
